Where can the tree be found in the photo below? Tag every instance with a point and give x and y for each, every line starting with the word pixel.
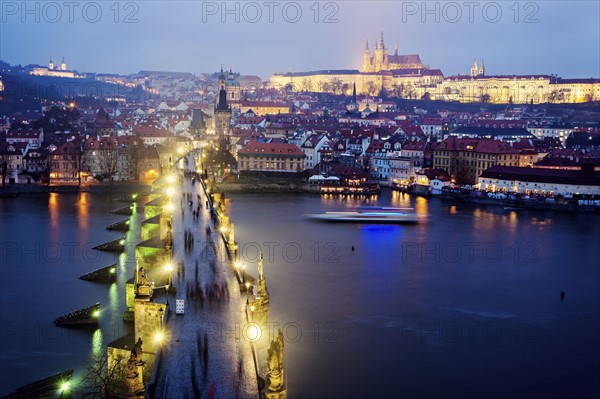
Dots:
pixel 306 84
pixel 3 170
pixel 104 379
pixel 108 158
pixel 336 86
pixel 136 154
pixel 370 86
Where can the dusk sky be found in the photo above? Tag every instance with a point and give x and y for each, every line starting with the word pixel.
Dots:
pixel 186 36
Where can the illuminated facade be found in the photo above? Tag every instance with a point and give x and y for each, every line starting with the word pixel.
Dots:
pixel 405 76
pixel 59 71
pixel 380 60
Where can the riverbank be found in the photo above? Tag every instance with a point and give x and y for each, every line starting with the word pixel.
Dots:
pixel 533 203
pixel 267 188
pixel 115 187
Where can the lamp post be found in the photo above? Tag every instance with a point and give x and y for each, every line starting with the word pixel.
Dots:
pixel 169 269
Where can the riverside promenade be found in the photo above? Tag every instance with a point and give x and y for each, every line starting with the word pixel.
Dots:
pixel 204 354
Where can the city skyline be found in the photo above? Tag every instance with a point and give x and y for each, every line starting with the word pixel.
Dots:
pixel 192 37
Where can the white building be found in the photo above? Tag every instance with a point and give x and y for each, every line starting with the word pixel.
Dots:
pixel 541 181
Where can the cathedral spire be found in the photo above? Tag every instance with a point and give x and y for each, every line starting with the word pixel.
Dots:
pixel 381 45
pixel 367 45
pixel 354 92
pixel 396 50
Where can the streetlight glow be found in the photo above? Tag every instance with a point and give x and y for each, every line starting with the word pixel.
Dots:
pixel 159 337
pixel 64 387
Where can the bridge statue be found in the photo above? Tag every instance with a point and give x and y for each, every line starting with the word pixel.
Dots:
pixel 134 378
pixel 275 382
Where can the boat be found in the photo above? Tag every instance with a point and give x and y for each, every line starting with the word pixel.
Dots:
pixel 372 215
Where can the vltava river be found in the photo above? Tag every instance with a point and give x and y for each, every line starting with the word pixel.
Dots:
pixel 466 305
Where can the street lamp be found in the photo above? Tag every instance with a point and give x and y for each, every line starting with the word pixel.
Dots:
pixel 159 337
pixel 169 269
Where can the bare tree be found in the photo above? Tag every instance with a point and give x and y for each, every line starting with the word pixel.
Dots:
pixel 104 379
pixel 136 164
pixel 336 86
pixel 108 158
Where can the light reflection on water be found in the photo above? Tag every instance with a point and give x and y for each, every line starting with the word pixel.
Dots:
pixel 421 285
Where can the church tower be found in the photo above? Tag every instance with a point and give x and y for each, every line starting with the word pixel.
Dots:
pixel 481 69
pixel 367 58
pixel 474 69
pixel 353 106
pixel 63 65
pixel 50 64
pixel 380 56
pixel 233 88
pixel 222 110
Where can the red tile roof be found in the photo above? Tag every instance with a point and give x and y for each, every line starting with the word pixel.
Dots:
pixel 256 148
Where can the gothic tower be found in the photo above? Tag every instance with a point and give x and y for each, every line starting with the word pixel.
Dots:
pixel 63 64
pixel 380 55
pixel 367 58
pixel 222 110
pixel 474 69
pixel 50 64
pixel 481 69
pixel 353 106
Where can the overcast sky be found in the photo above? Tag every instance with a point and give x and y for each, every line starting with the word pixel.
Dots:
pixel 542 37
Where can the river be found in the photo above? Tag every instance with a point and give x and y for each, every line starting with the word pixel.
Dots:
pixel 465 305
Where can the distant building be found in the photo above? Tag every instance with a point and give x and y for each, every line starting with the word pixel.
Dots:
pixel 222 111
pixel 540 181
pixel 509 135
pixel 466 159
pixel 270 157
pixel 54 70
pixel 382 61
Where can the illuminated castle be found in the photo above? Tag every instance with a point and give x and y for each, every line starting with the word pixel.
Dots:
pixel 382 61
pixel 54 70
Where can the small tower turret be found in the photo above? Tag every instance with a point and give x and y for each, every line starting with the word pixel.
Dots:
pixel 367 58
pixel 474 69
pixel 481 69
pixel 50 64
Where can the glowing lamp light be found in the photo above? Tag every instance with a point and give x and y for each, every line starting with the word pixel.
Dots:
pixel 252 308
pixel 170 207
pixel 159 337
pixel 170 191
pixel 253 332
pixel 122 242
pixel 134 195
pixel 64 386
pixel 223 229
pixel 171 179
pixel 169 267
pixel 96 314
pixel 247 286
pixel 113 270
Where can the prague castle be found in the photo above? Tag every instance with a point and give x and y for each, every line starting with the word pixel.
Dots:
pixel 405 76
pixel 381 61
